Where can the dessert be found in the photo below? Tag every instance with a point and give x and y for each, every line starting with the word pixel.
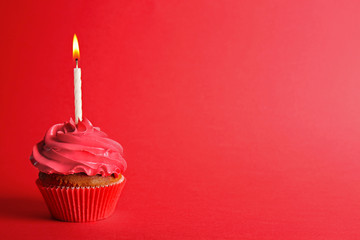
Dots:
pixel 80 171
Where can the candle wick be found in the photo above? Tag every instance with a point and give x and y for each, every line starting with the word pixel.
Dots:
pixel 76 60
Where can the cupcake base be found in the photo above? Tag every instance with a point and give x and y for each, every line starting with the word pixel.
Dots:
pixel 81 204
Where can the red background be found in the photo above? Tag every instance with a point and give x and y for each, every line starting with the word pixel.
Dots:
pixel 239 119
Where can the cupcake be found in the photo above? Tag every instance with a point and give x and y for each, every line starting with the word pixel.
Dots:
pixel 80 171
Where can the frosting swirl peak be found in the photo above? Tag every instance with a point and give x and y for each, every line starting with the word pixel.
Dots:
pixel 68 148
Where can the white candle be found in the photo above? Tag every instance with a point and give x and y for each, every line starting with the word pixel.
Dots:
pixel 77 81
pixel 77 92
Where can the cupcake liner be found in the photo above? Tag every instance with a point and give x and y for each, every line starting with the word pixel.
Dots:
pixel 81 204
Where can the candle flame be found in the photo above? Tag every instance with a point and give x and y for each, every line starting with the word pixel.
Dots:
pixel 76 50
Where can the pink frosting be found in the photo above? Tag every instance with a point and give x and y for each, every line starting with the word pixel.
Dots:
pixel 68 148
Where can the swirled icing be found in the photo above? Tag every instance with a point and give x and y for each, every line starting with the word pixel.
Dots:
pixel 68 148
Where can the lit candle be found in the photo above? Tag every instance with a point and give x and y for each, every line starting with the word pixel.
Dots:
pixel 77 81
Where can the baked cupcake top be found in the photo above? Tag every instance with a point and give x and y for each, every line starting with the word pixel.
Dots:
pixel 68 148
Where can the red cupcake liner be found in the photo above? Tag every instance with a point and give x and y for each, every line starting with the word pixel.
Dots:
pixel 81 204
